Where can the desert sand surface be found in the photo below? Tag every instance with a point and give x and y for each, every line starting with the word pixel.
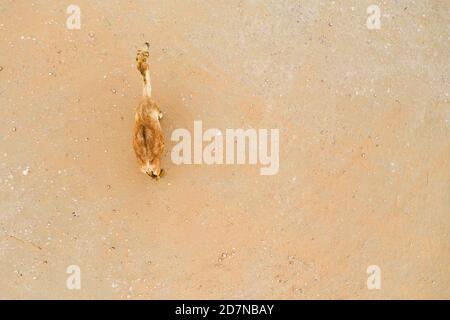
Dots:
pixel 364 173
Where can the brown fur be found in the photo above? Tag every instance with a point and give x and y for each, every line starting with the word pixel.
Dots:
pixel 148 139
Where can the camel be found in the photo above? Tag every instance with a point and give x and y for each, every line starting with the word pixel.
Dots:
pixel 148 138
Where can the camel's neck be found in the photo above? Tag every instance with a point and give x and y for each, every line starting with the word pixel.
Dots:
pixel 147 84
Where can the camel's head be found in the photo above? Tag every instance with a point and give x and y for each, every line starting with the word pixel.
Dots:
pixel 142 58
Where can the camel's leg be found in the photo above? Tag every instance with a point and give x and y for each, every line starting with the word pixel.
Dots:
pixel 157 171
pixel 148 169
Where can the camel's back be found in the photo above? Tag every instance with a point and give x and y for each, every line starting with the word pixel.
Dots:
pixel 148 140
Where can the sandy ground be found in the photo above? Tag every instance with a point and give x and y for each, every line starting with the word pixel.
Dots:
pixel 364 175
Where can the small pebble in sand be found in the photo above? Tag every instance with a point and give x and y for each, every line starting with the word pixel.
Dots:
pixel 91 35
pixel 1 68
pixel 14 129
pixel 114 91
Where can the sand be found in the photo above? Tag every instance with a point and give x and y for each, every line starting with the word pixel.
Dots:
pixel 364 176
